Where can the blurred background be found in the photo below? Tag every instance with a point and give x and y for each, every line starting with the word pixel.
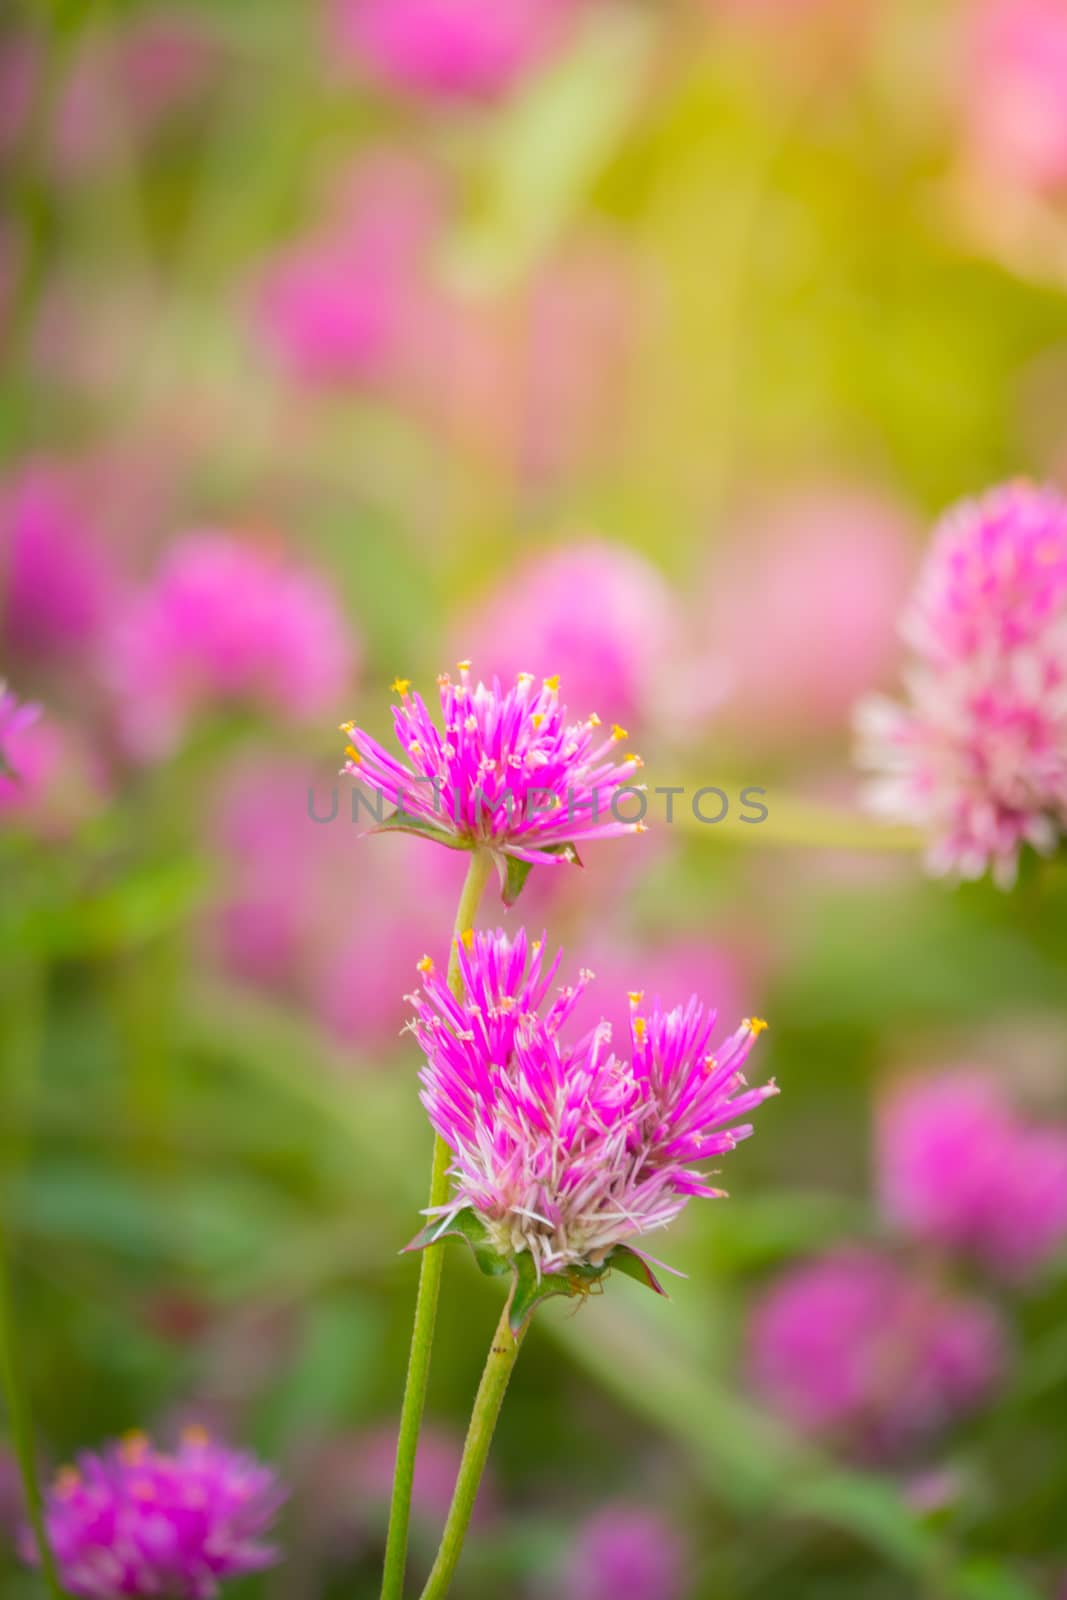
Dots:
pixel 635 340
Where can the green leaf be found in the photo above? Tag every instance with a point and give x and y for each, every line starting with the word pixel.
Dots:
pixel 403 822
pixel 528 1289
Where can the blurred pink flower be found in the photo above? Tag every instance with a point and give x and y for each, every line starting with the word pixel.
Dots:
pixel 854 1348
pixel 56 574
pixel 343 304
pixel 598 614
pixel 132 80
pixel 449 49
pixel 137 1522
pixel 535 381
pixel 48 781
pixel 625 1552
pixel 801 612
pixel 1015 90
pixel 312 911
pixel 977 756
pixel 959 1167
pixel 227 622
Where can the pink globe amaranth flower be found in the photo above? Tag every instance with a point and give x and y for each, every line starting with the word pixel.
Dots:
pixel 960 1168
pixel 135 1521
pixel 226 622
pixel 1015 90
pixel 977 757
pixel 854 1348
pixel 994 578
pixel 449 49
pixel 507 773
pixel 601 616
pixel 344 304
pixel 565 1151
pixel 57 580
pixel 801 612
pixel 625 1552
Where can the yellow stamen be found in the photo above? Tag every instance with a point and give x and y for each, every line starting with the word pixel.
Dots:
pixel 755 1025
pixel 400 685
pixel 594 720
pixel 524 677
pixel 639 1025
pixel 468 938
pixel 464 666
pixel 348 727
pixel 633 759
pixel 640 827
pixel 552 683
pixel 425 965
pixel 353 754
pixel 537 719
pixel 617 733
pixel 636 996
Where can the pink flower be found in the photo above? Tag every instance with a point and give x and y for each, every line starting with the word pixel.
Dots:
pixel 850 1346
pixel 1015 89
pixel 58 581
pixel 625 1552
pixel 449 49
pixel 977 757
pixel 16 719
pixel 567 1151
pixel 962 1169
pixel 134 79
pixel 227 623
pixel 343 304
pixel 137 1522
pixel 801 612
pixel 507 773
pixel 600 615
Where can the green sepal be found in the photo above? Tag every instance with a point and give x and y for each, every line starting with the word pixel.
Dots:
pixel 468 1226
pixel 403 822
pixel 514 872
pixel 527 1289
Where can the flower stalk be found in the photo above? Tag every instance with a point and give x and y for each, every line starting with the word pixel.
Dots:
pixel 499 1364
pixel 21 1425
pixel 430 1269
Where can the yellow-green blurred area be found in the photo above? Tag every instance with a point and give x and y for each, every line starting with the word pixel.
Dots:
pixel 651 365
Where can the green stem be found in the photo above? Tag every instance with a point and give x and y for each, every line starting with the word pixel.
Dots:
pixel 21 1424
pixel 503 1353
pixel 430 1268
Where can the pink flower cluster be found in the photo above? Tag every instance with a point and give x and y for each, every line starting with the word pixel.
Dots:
pixel 566 1151
pixel 449 49
pixel 977 756
pixel 506 773
pixel 960 1168
pixel 135 1521
pixel 230 622
pixel 856 1348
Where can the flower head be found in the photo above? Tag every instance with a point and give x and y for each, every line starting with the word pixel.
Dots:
pixel 852 1347
pixel 15 718
pixel 977 757
pixel 961 1168
pixel 227 622
pixel 625 1552
pixel 566 1151
pixel 135 1521
pixel 449 49
pixel 506 773
pixel 1016 91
